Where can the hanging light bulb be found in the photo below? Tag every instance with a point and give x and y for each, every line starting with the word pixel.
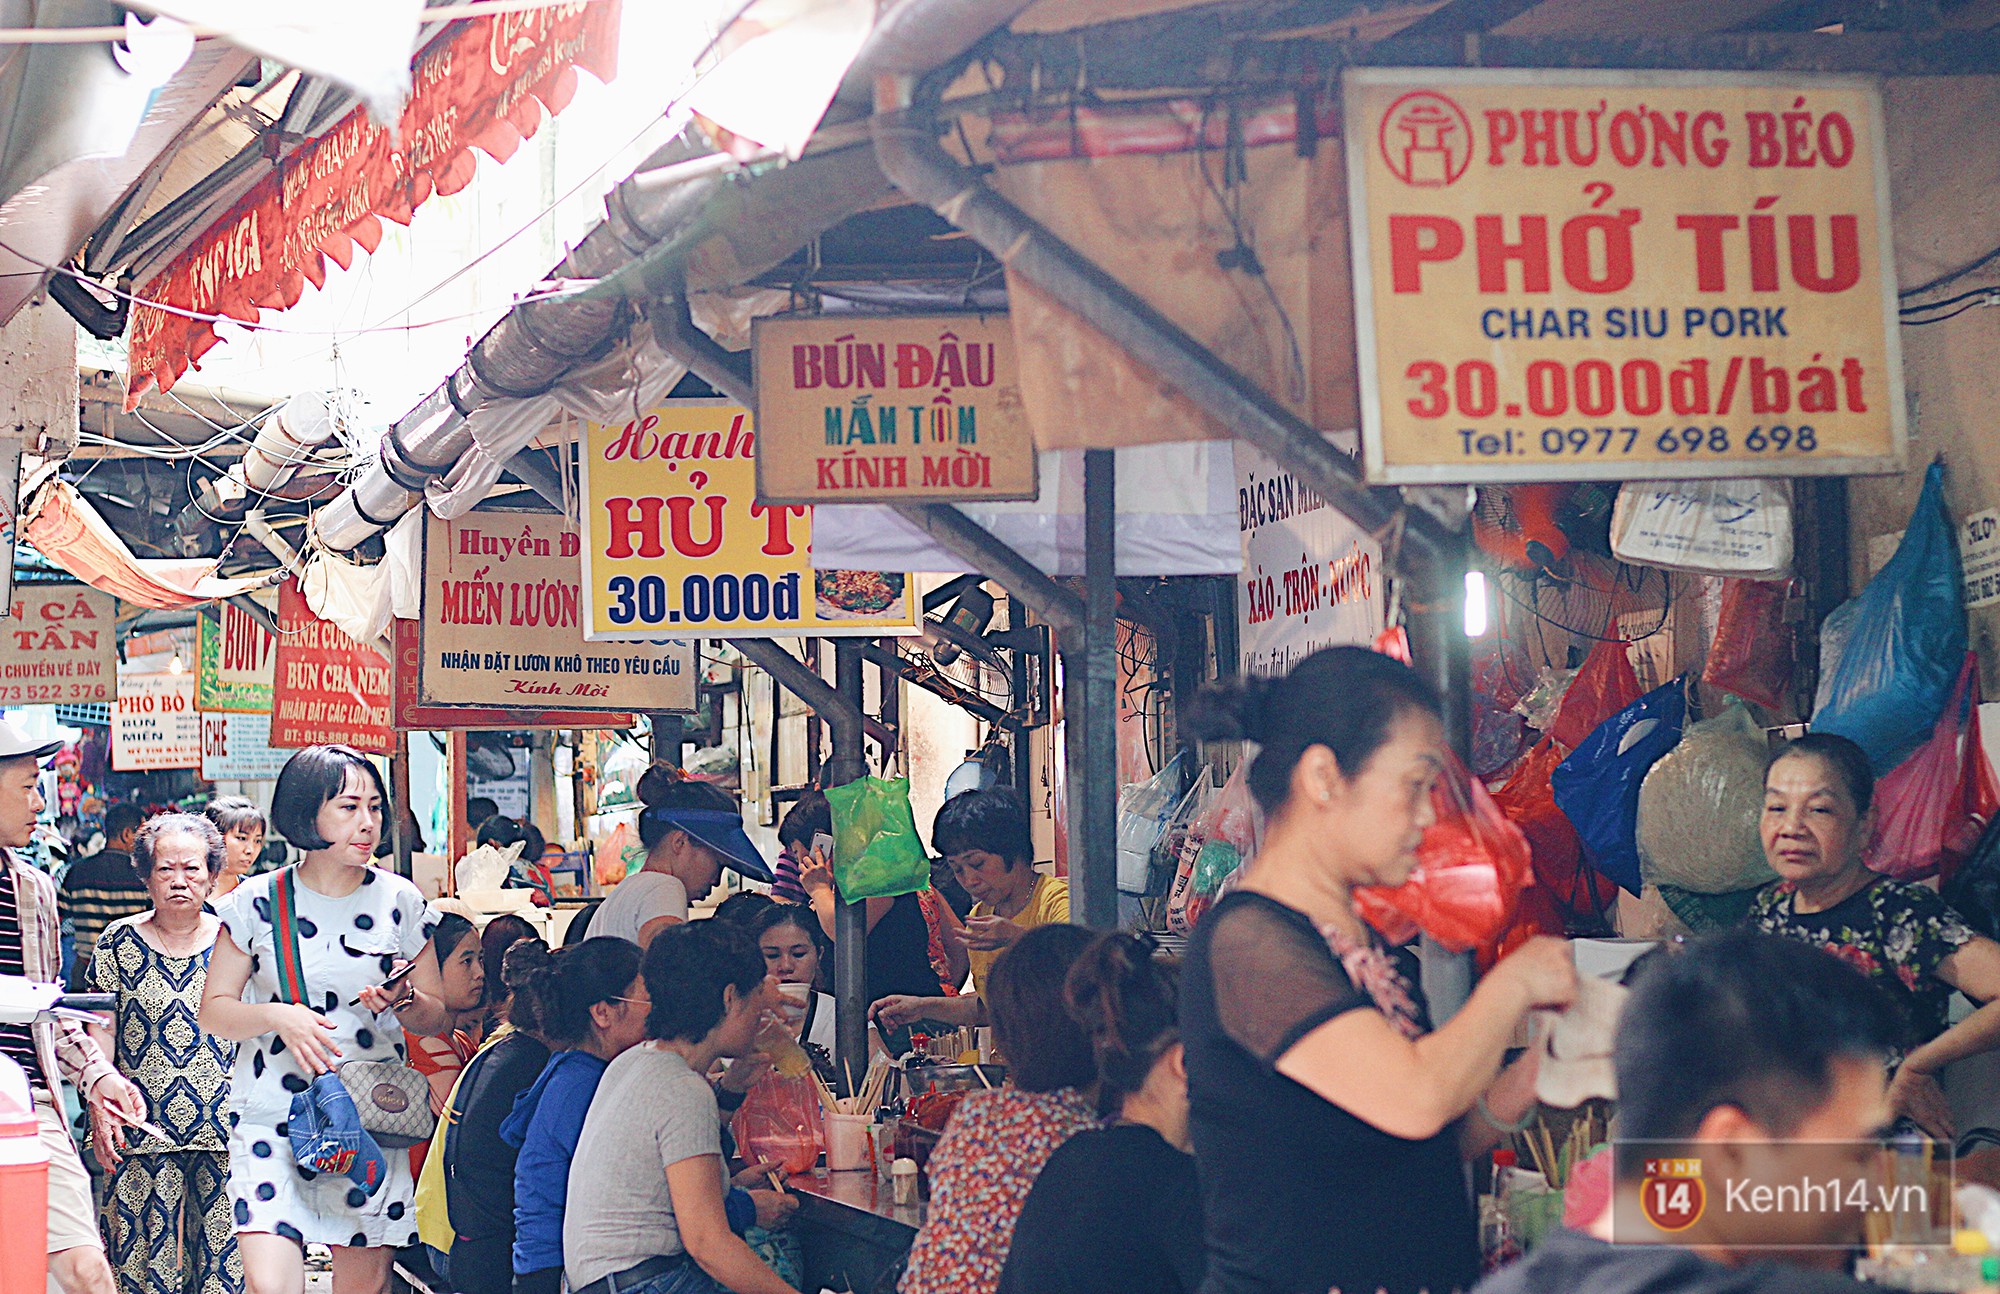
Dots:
pixel 1475 604
pixel 177 665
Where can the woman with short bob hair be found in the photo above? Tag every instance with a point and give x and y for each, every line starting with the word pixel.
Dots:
pixel 650 1159
pixel 354 927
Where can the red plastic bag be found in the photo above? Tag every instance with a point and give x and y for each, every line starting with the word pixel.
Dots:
pixel 1530 804
pixel 1752 652
pixel 1933 806
pixel 779 1122
pixel 1604 686
pixel 1471 868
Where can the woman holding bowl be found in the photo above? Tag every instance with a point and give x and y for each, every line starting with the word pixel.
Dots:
pixel 357 927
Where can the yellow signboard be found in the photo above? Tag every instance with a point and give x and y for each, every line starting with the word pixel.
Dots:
pixel 677 546
pixel 1601 275
pixel 890 409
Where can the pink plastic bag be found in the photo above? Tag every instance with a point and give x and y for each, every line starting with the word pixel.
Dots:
pixel 1217 846
pixel 779 1122
pixel 1471 868
pixel 1933 806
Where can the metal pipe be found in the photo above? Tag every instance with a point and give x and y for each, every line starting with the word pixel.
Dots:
pixel 287 439
pixel 918 35
pixel 1090 675
pixel 975 545
pixel 727 371
pixel 1432 558
pixel 850 919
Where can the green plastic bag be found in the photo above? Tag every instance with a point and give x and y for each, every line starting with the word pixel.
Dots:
pixel 876 852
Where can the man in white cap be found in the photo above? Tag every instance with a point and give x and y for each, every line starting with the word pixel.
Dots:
pixel 50 1053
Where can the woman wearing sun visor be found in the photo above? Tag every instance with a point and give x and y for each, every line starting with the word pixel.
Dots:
pixel 691 830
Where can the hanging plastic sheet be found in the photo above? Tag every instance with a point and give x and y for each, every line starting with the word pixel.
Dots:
pixel 1471 868
pixel 1176 516
pixel 1932 808
pixel 1900 641
pixel 64 527
pixel 1597 787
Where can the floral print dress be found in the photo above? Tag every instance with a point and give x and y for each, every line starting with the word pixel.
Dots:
pixel 1894 932
pixel 981 1173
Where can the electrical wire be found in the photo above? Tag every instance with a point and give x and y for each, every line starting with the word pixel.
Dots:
pixel 1951 277
pixel 199 316
pixel 1948 301
pixel 99 35
pixel 1990 296
pixel 1246 247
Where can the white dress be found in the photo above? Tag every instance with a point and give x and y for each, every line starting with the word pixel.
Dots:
pixel 345 945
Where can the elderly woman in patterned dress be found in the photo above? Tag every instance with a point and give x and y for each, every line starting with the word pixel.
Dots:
pixel 166 1212
pixel 1817 823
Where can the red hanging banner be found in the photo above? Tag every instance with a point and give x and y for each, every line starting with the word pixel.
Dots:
pixel 330 689
pixel 484 85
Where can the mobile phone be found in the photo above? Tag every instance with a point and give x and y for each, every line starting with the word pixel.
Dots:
pixel 823 843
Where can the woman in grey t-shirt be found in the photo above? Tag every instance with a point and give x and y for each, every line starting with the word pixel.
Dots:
pixel 650 1157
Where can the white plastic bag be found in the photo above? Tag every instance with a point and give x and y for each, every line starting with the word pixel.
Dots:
pixel 1734 527
pixel 1143 810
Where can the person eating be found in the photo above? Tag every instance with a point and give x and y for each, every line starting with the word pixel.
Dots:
pixel 997 1142
pixel 986 838
pixel 1117 1210
pixel 649 1160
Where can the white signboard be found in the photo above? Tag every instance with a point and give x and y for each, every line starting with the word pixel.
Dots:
pixel 1979 556
pixel 237 748
pixel 1311 578
pixel 154 723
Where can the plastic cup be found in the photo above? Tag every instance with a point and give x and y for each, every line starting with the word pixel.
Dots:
pixel 903 1173
pixel 796 994
pixel 847 1143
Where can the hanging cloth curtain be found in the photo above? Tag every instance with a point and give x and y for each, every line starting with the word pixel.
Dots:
pixel 66 529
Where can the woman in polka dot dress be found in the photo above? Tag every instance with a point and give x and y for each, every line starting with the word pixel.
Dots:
pixel 356 926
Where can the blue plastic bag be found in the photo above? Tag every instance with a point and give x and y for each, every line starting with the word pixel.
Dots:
pixel 1597 787
pixel 1904 639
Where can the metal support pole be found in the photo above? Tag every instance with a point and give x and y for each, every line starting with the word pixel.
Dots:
pixel 1090 683
pixel 850 920
pixel 667 729
pixel 977 546
pixel 1434 601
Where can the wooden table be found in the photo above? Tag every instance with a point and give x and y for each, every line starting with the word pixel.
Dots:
pixel 852 1230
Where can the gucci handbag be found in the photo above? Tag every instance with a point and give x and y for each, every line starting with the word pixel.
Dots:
pixel 394 1101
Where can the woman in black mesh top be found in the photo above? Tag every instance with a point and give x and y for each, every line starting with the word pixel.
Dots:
pixel 1326 1113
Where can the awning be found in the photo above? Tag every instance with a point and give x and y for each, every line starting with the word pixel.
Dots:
pixel 482 85
pixel 1176 516
pixel 64 527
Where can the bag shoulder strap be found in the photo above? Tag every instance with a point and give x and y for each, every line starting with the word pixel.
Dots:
pixel 291 968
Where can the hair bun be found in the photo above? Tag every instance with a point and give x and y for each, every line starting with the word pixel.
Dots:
pixel 1233 710
pixel 527 962
pixel 656 785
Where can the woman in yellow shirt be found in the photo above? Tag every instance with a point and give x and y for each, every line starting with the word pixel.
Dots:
pixel 984 836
